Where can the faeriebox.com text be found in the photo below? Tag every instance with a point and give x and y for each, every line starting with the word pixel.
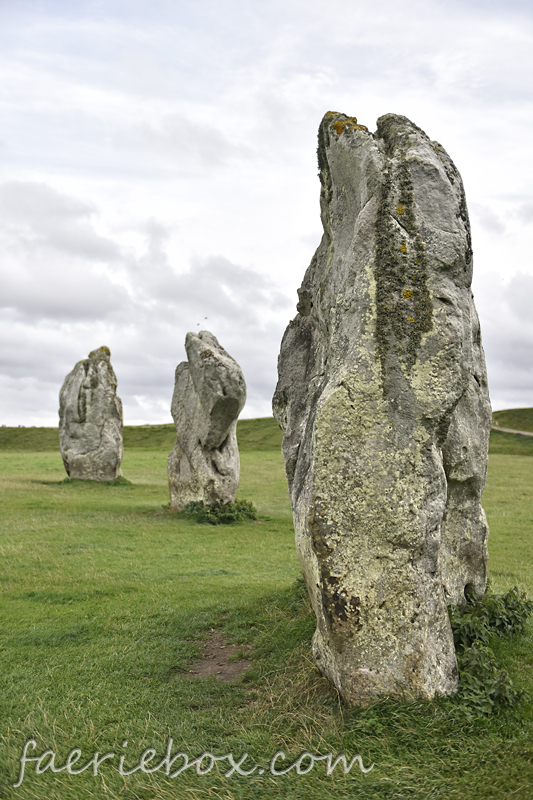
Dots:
pixel 175 764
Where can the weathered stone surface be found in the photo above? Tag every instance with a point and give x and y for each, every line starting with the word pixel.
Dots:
pixel 382 397
pixel 209 394
pixel 90 420
pixel 464 529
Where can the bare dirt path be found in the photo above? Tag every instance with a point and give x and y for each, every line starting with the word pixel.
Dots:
pixel 217 659
pixel 510 430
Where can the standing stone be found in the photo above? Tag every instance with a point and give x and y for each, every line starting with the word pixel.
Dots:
pixel 464 529
pixel 209 394
pixel 90 420
pixel 382 398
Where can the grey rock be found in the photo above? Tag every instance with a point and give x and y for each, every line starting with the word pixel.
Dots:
pixel 90 420
pixel 383 402
pixel 209 394
pixel 464 529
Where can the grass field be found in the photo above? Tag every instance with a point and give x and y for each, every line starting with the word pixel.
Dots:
pixel 518 419
pixel 108 598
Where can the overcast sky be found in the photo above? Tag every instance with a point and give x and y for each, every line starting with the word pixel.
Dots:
pixel 158 175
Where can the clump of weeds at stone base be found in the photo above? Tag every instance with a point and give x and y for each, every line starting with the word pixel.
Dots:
pixel 221 514
pixel 483 686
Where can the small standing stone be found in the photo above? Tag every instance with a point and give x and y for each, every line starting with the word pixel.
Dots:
pixel 383 401
pixel 209 394
pixel 90 420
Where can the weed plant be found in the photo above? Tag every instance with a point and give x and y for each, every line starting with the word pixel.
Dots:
pixel 222 513
pixel 480 617
pixel 483 686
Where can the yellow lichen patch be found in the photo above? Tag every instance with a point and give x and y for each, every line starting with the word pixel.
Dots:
pixel 410 319
pixel 349 123
pixel 403 247
pixel 340 126
pixel 400 209
pixel 417 261
pixel 408 294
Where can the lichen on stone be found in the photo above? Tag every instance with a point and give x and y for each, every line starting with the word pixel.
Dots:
pixel 381 383
pixel 209 394
pixel 90 420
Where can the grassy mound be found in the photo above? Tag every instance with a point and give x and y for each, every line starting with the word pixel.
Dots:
pixel 259 435
pixel 511 444
pixel 252 434
pixel 150 437
pixel 518 419
pixel 35 439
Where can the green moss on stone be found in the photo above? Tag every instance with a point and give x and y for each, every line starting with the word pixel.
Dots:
pixel 396 268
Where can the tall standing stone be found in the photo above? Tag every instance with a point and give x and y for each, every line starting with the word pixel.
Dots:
pixel 382 398
pixel 90 420
pixel 209 394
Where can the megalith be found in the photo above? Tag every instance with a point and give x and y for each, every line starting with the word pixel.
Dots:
pixel 383 401
pixel 90 420
pixel 209 394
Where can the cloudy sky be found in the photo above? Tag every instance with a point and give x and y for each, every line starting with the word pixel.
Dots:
pixel 158 175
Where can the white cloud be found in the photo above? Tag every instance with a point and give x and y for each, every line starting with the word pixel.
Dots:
pixel 524 213
pixel 53 320
pixel 487 218
pixel 52 254
pixel 37 215
pixel 159 168
pixel 507 327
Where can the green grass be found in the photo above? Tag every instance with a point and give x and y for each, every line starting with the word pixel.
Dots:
pixel 253 434
pixel 135 436
pixel 107 596
pixel 511 444
pixel 508 503
pixel 518 419
pixel 150 437
pixel 34 439
pixel 259 434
